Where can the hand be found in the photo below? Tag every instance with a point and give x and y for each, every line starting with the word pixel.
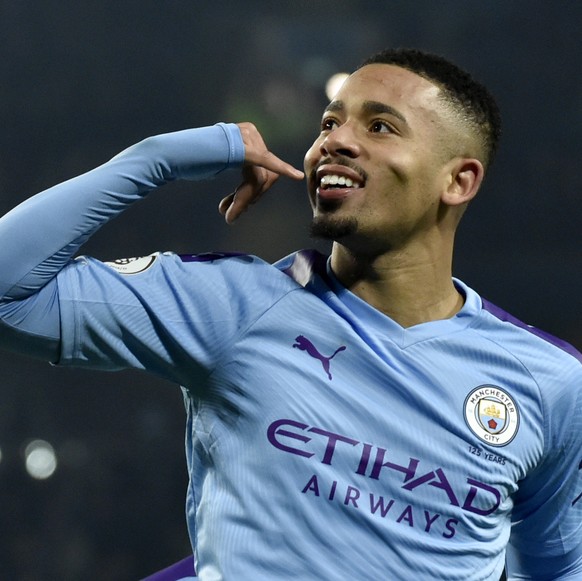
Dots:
pixel 261 170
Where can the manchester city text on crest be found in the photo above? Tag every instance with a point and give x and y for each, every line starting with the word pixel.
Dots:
pixel 492 415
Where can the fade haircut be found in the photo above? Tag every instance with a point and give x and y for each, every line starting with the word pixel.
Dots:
pixel 472 101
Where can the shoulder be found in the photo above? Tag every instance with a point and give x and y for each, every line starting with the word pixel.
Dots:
pixel 236 272
pixel 529 343
pixel 233 278
pixel 530 334
pixel 304 267
pixel 242 270
pixel 552 364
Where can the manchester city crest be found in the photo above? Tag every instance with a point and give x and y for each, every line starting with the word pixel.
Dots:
pixel 492 415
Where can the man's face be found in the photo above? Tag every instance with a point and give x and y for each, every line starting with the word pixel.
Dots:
pixel 377 169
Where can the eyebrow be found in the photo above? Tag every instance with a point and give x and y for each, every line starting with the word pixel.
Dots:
pixel 369 107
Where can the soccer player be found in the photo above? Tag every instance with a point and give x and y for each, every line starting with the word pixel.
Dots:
pixel 362 416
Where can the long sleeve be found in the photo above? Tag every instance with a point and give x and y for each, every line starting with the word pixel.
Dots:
pixel 40 236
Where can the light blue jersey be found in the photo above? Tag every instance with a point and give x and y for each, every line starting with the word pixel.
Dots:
pixel 324 441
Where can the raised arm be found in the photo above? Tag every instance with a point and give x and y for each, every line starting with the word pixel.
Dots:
pixel 39 237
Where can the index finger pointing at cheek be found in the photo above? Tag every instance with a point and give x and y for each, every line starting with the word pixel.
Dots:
pixel 272 162
pixel 257 153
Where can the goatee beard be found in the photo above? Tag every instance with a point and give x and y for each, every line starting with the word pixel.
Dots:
pixel 327 227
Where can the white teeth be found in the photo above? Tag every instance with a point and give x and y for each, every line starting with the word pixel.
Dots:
pixel 333 180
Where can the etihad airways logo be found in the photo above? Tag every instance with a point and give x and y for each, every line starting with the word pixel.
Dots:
pixel 375 462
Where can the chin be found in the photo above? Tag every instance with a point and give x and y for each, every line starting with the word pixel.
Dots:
pixel 329 227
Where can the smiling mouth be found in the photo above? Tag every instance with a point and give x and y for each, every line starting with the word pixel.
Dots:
pixel 337 181
pixel 331 181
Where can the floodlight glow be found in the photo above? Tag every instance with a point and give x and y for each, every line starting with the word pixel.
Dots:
pixel 40 459
pixel 334 84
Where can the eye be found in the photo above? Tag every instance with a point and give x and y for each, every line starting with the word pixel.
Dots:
pixel 328 124
pixel 380 126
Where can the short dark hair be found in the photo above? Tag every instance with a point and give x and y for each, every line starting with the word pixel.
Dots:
pixel 472 99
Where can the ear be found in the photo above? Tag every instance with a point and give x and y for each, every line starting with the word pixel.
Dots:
pixel 465 177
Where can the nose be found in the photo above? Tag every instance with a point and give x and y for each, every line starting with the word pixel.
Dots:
pixel 340 141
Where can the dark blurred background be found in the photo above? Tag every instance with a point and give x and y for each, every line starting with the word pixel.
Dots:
pixel 82 80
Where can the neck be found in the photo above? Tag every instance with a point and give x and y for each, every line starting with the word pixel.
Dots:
pixel 408 289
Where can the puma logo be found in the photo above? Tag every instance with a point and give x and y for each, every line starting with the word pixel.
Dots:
pixel 304 344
